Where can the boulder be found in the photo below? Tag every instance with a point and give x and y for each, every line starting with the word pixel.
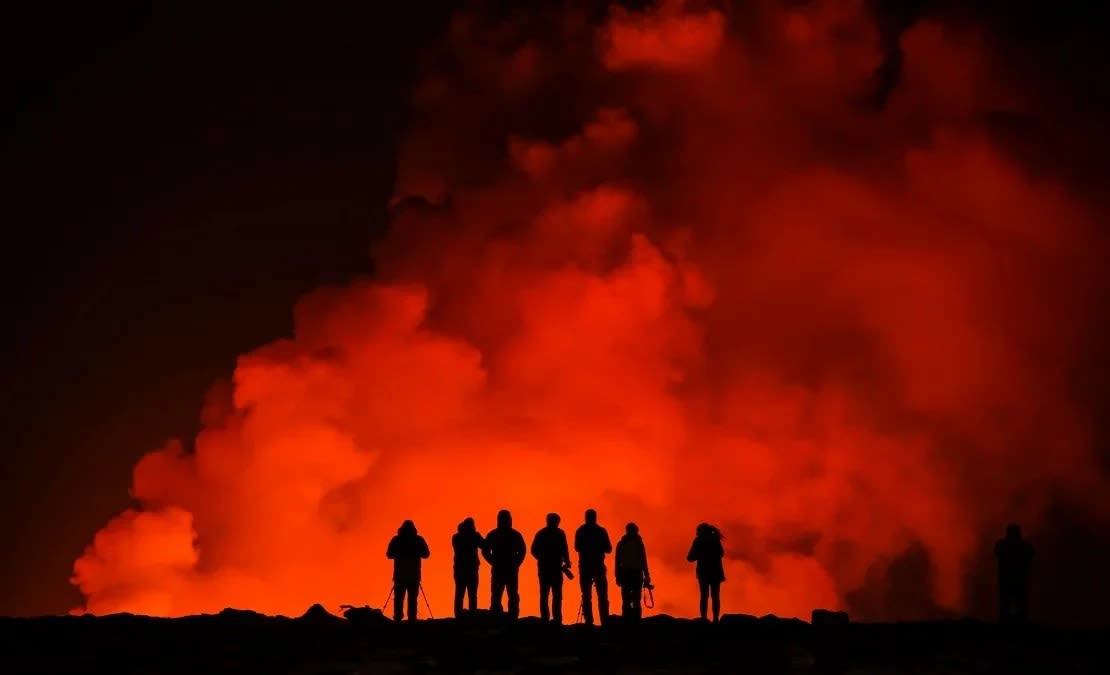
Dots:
pixel 828 617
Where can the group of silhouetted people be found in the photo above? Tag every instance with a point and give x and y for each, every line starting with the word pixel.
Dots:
pixel 505 550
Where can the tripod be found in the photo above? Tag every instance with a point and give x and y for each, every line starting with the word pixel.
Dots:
pixel 385 605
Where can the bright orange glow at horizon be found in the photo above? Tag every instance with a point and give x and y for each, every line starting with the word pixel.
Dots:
pixel 729 295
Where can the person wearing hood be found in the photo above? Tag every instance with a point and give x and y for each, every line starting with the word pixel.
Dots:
pixel 709 555
pixel 632 571
pixel 406 550
pixel 505 551
pixel 466 544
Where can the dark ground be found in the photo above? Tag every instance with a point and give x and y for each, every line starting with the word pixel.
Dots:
pixel 318 643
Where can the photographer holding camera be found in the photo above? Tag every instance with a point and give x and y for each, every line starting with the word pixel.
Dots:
pixel 552 554
pixel 632 571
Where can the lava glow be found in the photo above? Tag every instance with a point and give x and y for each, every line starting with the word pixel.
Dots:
pixel 675 265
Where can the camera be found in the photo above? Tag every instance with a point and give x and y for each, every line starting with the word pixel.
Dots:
pixel 648 585
pixel 567 572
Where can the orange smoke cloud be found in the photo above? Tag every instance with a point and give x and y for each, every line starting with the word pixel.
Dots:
pixel 687 274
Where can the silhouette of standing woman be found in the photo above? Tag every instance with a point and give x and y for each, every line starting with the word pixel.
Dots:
pixel 708 553
pixel 466 543
pixel 406 550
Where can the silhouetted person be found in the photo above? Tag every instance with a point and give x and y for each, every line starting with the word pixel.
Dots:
pixel 552 554
pixel 466 543
pixel 505 550
pixel 1015 559
pixel 406 550
pixel 709 555
pixel 632 571
pixel 592 544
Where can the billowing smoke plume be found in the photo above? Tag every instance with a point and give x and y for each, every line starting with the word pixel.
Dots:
pixel 765 266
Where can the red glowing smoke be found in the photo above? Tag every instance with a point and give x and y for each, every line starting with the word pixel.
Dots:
pixel 686 265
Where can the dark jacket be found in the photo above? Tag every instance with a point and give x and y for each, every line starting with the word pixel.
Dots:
pixel 466 546
pixel 1015 560
pixel 631 554
pixel 505 549
pixel 592 544
pixel 708 553
pixel 406 550
pixel 550 549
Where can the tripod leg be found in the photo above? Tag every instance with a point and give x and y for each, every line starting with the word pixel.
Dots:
pixel 426 603
pixel 385 605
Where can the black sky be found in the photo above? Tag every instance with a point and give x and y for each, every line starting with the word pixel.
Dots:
pixel 176 174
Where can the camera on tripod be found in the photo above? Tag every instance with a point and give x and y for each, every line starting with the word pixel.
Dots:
pixel 567 572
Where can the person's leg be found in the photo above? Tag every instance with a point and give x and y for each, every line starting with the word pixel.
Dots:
pixel 626 594
pixel 584 581
pixel 460 590
pixel 1021 603
pixel 637 585
pixel 545 591
pixel 513 585
pixel 497 588
pixel 602 581
pixel 557 598
pixel 398 601
pixel 472 590
pixel 703 598
pixel 414 592
pixel 716 590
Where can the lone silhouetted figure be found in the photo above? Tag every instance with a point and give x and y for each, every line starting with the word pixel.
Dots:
pixel 632 571
pixel 549 548
pixel 592 544
pixel 406 550
pixel 505 551
pixel 466 543
pixel 709 555
pixel 1015 560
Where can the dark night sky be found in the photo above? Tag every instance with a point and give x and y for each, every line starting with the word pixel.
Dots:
pixel 174 179
pixel 178 176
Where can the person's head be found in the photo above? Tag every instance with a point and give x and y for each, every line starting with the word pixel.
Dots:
pixel 707 530
pixel 1013 531
pixel 467 525
pixel 591 517
pixel 504 518
pixel 407 527
pixel 553 520
pixel 632 529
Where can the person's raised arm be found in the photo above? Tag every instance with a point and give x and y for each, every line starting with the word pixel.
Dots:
pixel 487 553
pixel 424 552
